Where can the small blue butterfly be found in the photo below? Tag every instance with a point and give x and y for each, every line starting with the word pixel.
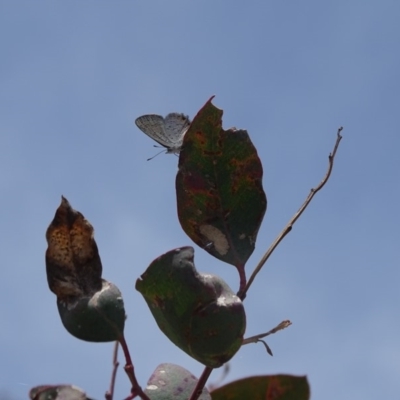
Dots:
pixel 168 131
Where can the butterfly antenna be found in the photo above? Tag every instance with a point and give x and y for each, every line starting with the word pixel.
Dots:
pixel 162 151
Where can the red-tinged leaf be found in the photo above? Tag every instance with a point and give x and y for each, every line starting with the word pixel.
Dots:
pixel 269 387
pixel 98 318
pixel 73 263
pixel 170 381
pixel 198 312
pixel 57 392
pixel 221 201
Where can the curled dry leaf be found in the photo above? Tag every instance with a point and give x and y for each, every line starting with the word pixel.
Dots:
pixel 73 263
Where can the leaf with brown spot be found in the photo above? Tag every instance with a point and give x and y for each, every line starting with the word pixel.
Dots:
pixel 268 387
pixel 73 263
pixel 220 198
pixel 199 313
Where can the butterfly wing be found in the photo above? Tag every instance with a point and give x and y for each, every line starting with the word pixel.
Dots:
pixel 176 125
pixel 153 126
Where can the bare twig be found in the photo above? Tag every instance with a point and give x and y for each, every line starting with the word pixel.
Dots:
pixel 110 393
pixel 136 390
pixel 288 227
pixel 256 338
pixel 201 383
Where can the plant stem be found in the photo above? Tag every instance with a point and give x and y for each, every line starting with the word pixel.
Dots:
pixel 136 390
pixel 110 393
pixel 256 338
pixel 201 383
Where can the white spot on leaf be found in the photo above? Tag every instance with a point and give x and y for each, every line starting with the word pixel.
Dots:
pixel 218 239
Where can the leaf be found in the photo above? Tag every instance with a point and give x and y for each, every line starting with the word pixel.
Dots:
pixel 99 318
pixel 268 387
pixel 57 392
pixel 90 308
pixel 199 313
pixel 170 381
pixel 73 263
pixel 221 201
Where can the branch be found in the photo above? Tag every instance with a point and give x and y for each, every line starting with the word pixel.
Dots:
pixel 201 383
pixel 257 338
pixel 136 390
pixel 110 393
pixel 288 227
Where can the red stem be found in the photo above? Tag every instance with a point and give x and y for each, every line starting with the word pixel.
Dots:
pixel 201 383
pixel 136 390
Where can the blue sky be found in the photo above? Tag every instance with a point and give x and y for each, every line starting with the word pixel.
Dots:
pixel 74 75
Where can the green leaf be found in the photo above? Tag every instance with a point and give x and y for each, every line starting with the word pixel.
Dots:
pixel 170 381
pixel 268 387
pixel 221 201
pixel 198 312
pixel 99 318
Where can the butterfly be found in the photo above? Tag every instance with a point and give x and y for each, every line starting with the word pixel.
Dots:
pixel 168 131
